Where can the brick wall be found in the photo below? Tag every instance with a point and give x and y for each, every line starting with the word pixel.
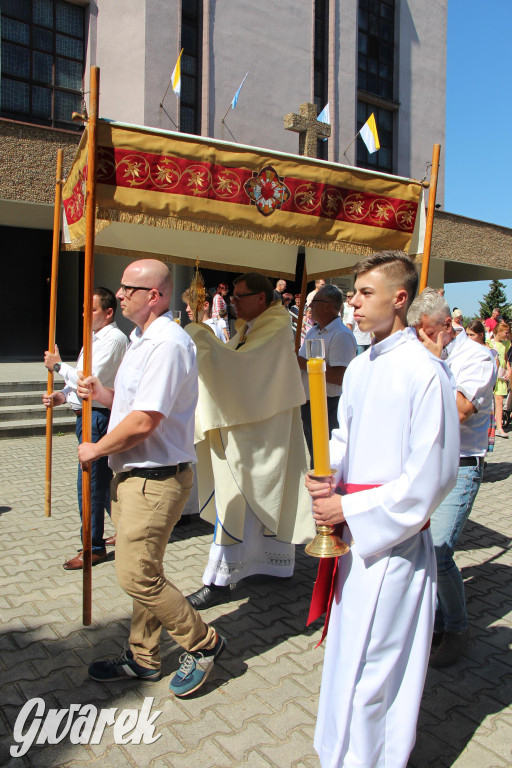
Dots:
pixel 28 160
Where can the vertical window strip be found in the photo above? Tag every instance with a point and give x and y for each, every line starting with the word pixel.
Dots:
pixel 321 63
pixel 191 65
pixel 376 52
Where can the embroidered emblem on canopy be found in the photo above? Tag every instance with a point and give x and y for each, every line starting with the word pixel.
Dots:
pixel 267 190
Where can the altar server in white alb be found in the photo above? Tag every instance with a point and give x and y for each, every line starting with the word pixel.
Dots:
pixel 396 453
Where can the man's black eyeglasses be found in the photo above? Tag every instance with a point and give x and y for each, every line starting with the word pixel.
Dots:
pixel 238 296
pixel 132 288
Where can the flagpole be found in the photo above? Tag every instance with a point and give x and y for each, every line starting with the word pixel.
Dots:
pixel 355 137
pixel 51 332
pixel 235 98
pixel 425 262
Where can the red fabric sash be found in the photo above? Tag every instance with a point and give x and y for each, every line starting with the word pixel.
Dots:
pixel 323 590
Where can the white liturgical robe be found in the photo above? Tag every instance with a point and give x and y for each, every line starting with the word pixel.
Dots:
pixel 399 429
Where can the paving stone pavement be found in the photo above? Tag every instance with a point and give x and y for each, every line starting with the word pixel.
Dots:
pixel 259 706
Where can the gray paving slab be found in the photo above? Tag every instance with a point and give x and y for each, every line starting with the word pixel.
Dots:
pixel 259 707
pixel 17 369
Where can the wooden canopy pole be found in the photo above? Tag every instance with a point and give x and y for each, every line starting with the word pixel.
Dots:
pixel 302 304
pixel 310 130
pixel 430 217
pixel 90 221
pixel 51 332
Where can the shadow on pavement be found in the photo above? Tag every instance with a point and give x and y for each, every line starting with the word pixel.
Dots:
pixel 56 670
pixel 496 471
pixel 458 699
pixel 478 536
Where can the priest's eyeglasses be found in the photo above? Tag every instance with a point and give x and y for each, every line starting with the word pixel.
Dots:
pixel 129 290
pixel 238 296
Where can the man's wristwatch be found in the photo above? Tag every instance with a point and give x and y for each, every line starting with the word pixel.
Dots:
pixel 56 367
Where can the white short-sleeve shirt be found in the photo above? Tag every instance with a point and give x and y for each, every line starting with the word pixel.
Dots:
pixel 216 327
pixel 474 371
pixel 108 347
pixel 340 349
pixel 158 373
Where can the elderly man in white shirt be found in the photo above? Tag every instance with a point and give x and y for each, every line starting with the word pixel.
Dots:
pixel 150 444
pixel 474 372
pixel 340 350
pixel 108 347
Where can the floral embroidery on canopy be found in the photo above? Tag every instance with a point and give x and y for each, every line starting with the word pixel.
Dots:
pixel 267 190
pixel 75 205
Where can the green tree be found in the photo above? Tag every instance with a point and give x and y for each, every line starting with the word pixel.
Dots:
pixel 495 298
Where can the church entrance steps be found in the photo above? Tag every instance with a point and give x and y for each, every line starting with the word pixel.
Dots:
pixel 22 413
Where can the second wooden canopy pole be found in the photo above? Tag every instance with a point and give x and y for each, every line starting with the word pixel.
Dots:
pixel 90 223
pixel 51 331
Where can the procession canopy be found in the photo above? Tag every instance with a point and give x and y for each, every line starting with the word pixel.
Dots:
pixel 164 195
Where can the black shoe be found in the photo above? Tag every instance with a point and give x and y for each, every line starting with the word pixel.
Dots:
pixel 122 667
pixel 437 638
pixel 451 648
pixel 208 596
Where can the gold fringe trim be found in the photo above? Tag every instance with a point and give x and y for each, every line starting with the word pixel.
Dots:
pixel 78 244
pixel 107 215
pixel 240 269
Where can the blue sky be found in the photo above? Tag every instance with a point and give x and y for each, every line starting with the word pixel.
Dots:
pixel 478 153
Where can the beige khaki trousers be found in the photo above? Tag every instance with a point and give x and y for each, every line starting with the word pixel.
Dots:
pixel 144 513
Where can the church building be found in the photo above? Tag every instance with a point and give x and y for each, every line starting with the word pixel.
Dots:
pixel 386 57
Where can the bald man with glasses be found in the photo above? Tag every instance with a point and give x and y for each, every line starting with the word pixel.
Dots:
pixel 150 445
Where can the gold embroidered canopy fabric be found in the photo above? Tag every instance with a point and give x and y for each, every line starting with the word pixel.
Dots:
pixel 177 182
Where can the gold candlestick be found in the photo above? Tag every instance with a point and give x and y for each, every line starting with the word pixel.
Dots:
pixel 326 543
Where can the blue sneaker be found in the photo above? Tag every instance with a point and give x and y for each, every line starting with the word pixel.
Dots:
pixel 120 667
pixel 195 668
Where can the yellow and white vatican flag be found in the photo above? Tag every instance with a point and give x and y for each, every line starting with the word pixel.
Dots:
pixel 176 76
pixel 369 135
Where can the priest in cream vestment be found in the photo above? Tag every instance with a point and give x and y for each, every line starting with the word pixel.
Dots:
pixel 250 447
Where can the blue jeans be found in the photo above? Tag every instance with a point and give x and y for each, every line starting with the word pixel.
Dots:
pixel 362 348
pixel 447 523
pixel 101 475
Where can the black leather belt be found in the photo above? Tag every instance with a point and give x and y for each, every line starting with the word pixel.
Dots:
pixel 106 411
pixel 471 461
pixel 157 473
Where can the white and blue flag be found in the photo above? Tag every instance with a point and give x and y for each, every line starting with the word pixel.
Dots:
pixel 237 94
pixel 324 116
